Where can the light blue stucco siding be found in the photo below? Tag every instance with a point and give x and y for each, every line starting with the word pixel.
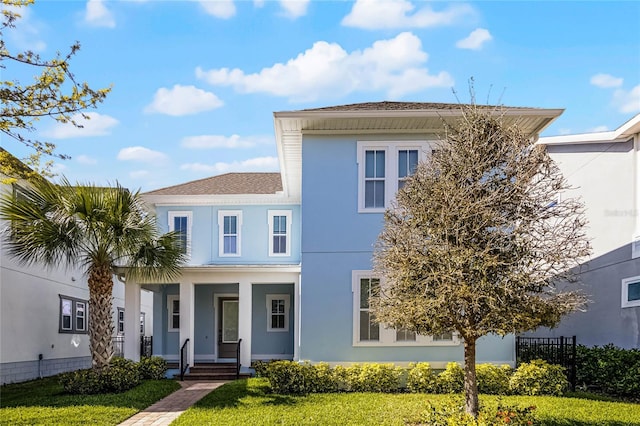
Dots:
pixel 204 333
pixel 165 343
pixel 336 240
pixel 254 234
pixel 270 344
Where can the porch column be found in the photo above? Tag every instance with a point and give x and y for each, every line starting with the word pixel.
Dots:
pixel 245 294
pixel 297 292
pixel 132 321
pixel 187 321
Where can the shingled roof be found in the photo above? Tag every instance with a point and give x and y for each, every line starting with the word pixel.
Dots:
pixel 227 184
pixel 398 106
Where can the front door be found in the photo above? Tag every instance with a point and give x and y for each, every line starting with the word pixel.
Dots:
pixel 227 327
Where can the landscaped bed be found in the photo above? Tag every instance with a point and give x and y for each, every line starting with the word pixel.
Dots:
pixel 43 402
pixel 249 402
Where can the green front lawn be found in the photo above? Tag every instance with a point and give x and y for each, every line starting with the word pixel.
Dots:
pixel 248 402
pixel 43 402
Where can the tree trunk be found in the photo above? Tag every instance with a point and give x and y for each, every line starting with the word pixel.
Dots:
pixel 100 316
pixel 470 383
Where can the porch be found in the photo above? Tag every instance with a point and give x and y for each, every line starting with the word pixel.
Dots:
pixel 215 314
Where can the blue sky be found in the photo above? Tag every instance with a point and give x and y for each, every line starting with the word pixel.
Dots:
pixel 195 83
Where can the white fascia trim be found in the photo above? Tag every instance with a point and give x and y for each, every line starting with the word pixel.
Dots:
pixel 621 134
pixel 263 269
pixel 515 112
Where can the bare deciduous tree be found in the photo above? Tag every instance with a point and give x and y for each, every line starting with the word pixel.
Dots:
pixel 478 240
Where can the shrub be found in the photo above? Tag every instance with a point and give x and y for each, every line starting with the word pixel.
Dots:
pixel 451 380
pixel 538 377
pixel 421 378
pixel 153 368
pixel 121 375
pixel 609 369
pixel 322 378
pixel 260 368
pixel 287 378
pixel 374 377
pixel 493 379
pixel 452 413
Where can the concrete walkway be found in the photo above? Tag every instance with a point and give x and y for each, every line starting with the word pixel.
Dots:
pixel 163 412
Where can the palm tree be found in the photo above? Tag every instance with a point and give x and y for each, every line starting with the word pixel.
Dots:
pixel 104 230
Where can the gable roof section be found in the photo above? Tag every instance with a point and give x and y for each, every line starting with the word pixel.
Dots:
pixel 227 184
pixel 417 118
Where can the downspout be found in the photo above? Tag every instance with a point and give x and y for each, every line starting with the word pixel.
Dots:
pixel 635 242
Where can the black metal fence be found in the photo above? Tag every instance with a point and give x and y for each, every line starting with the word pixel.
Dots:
pixel 554 350
pixel 146 346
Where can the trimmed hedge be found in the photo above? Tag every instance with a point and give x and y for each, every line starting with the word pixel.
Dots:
pixel 609 369
pixel 120 375
pixel 534 378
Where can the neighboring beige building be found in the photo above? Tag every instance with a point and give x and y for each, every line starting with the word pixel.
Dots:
pixel 604 168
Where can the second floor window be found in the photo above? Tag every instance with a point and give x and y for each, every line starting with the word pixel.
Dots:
pixel 120 321
pixel 229 227
pixel 383 168
pixel 279 232
pixel 180 222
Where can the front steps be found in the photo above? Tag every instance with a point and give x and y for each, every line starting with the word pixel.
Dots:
pixel 213 372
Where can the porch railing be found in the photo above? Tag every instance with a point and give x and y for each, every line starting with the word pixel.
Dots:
pixel 184 364
pixel 554 350
pixel 238 365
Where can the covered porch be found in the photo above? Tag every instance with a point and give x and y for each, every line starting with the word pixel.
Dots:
pixel 213 313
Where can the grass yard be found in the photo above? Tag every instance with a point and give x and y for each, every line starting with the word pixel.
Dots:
pixel 43 402
pixel 247 402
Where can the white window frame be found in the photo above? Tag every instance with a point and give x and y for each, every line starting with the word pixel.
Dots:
pixel 221 215
pixel 626 303
pixel 287 307
pixel 75 304
pixel 189 215
pixel 387 334
pixel 391 149
pixel 120 322
pixel 287 214
pixel 170 299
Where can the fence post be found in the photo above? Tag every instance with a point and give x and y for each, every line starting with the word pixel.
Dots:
pixel 574 357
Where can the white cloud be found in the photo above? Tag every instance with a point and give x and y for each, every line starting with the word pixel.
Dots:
pixel 258 164
pixel 138 174
pixel 598 129
pixel 182 100
pixel 606 81
pixel 85 159
pixel 26 35
pixel 95 125
pixel 378 14
pixel 97 15
pixel 327 70
pixel 142 154
pixel 294 8
pixel 475 40
pixel 220 141
pixel 258 3
pixel 627 101
pixel 223 9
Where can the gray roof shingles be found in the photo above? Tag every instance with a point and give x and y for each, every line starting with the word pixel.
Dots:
pixel 227 184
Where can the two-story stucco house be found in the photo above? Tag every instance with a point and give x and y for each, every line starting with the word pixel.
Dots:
pixel 604 169
pixel 281 261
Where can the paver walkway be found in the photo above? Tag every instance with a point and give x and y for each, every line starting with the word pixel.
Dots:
pixel 163 412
